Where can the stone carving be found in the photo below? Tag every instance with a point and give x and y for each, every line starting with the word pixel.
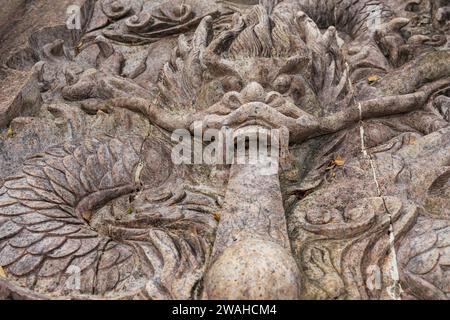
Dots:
pixel 54 205
pixel 92 205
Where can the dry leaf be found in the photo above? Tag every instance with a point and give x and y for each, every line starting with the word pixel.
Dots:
pixel 373 78
pixel 78 48
pixel 87 215
pixel 10 132
pixel 339 161
pixel 216 216
pixel 2 272
pixel 292 175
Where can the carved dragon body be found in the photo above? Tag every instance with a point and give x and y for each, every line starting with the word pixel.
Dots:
pixel 339 78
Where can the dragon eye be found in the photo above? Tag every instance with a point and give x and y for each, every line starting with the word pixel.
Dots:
pixel 412 6
pixel 282 83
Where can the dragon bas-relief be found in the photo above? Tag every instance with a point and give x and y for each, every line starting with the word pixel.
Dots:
pixel 92 205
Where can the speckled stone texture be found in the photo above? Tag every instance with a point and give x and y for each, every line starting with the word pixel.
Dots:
pixel 92 205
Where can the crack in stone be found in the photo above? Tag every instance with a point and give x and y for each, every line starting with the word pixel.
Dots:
pixel 396 289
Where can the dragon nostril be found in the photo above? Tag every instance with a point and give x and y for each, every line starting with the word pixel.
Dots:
pixel 232 100
pixel 231 84
pixel 253 92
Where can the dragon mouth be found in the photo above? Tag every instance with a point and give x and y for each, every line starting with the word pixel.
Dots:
pixel 255 123
pixel 249 115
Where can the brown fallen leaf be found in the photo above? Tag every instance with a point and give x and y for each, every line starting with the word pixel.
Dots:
pixel 10 132
pixel 87 215
pixel 339 161
pixel 216 216
pixel 292 175
pixel 373 78
pixel 2 272
pixel 78 48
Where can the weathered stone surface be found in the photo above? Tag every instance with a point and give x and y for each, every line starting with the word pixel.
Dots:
pixel 93 205
pixel 10 9
pixel 21 96
pixel 253 270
